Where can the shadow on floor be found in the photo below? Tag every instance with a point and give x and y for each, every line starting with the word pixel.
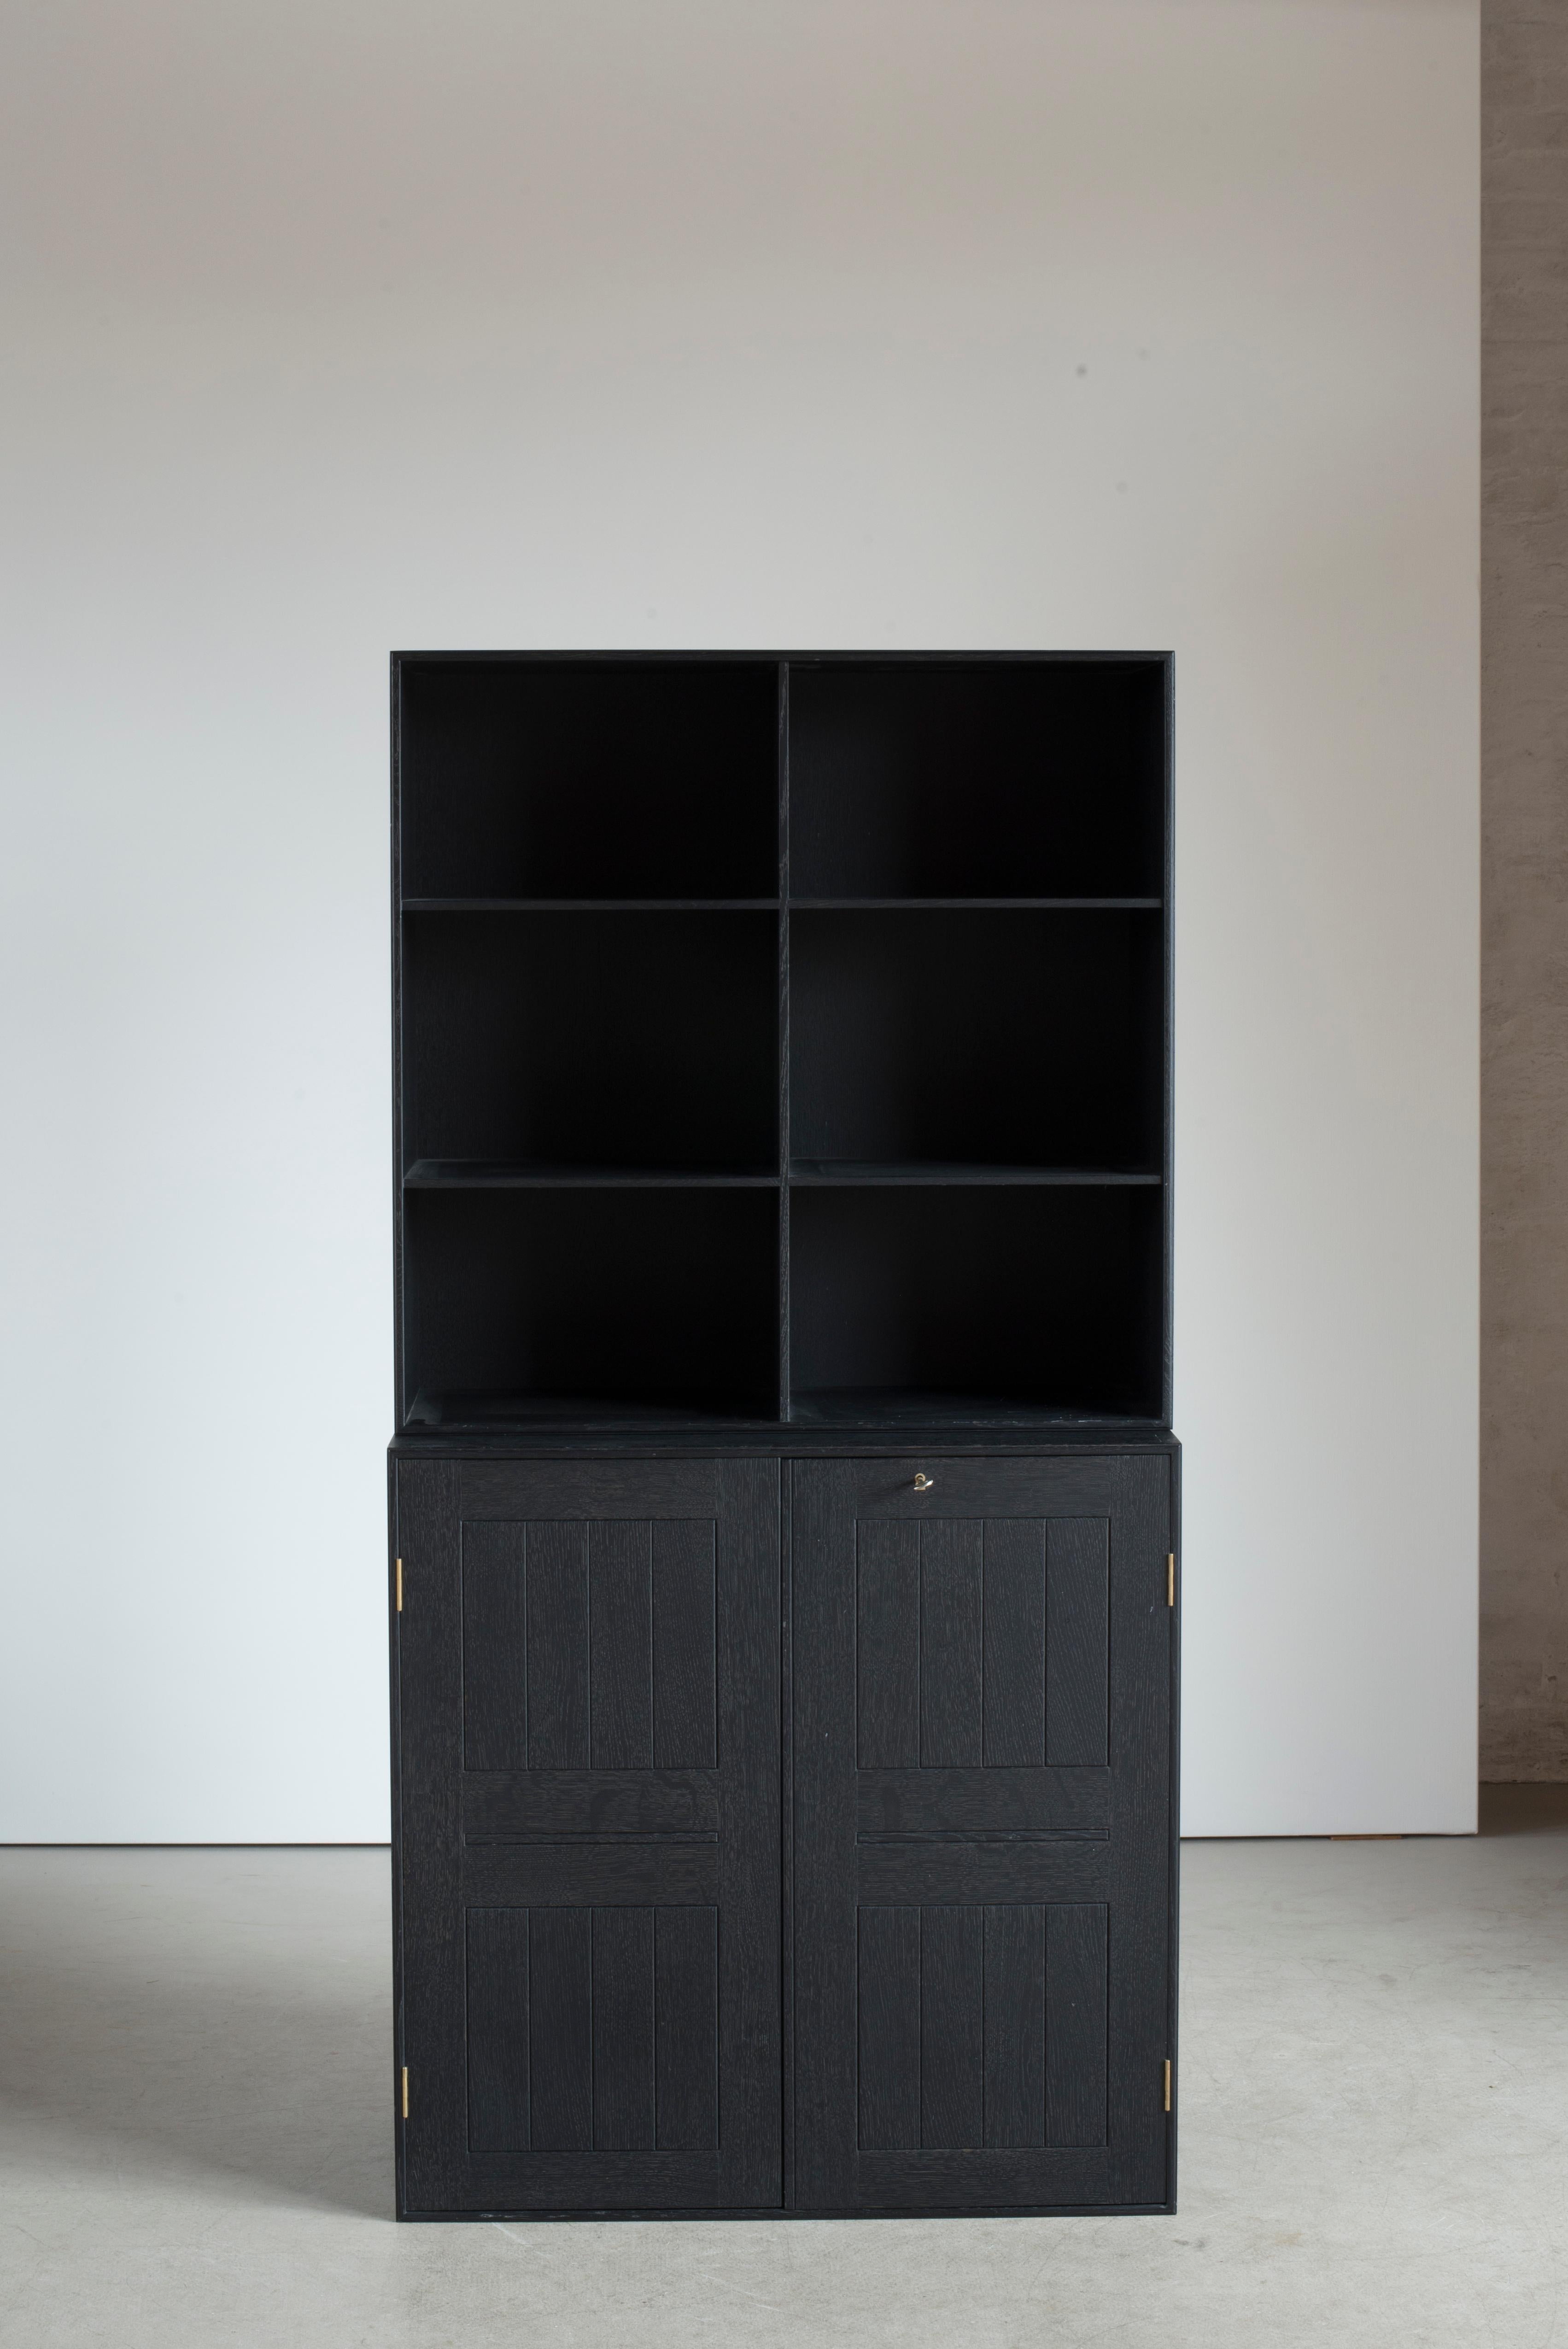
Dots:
pixel 218 2022
pixel 1523 1810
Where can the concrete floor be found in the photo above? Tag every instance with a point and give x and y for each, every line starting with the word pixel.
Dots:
pixel 195 2147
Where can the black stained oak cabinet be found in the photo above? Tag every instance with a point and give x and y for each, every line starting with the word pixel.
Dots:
pixel 784 1504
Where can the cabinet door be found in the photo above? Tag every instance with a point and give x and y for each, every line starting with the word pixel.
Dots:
pixel 589 1800
pixel 982 1832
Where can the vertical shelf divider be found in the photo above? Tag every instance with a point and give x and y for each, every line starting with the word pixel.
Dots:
pixel 785 1409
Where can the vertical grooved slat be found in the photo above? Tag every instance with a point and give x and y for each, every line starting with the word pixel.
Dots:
pixel 498 2029
pixel 620 1670
pixel 1075 2023
pixel 557 1646
pixel 888 2009
pixel 888 1643
pixel 951 1572
pixel 623 2029
pixel 1015 2025
pixel 686 2041
pixel 1077 1641
pixel 952 2009
pixel 685 1688
pixel 560 2040
pixel 1014 1642
pixel 494 1646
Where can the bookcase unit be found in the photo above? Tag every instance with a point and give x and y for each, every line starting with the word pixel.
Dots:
pixel 783 1501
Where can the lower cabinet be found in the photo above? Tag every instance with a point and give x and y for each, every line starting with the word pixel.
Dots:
pixel 661 1950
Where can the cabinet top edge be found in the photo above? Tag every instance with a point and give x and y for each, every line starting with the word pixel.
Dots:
pixel 784 1443
pixel 885 658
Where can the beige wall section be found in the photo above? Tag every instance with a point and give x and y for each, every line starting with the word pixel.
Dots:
pixel 1524 892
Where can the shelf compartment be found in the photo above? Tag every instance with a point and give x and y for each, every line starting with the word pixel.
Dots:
pixel 629 1040
pixel 499 1175
pixel 842 1173
pixel 1034 1040
pixel 603 779
pixel 1046 1301
pixel 575 1302
pixel 978 779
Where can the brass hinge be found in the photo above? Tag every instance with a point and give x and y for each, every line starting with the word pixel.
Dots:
pixel 1166 2089
pixel 405 2091
pixel 1169 1581
pixel 399 1586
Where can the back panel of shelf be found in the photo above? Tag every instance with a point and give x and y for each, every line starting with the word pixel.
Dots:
pixel 972 1302
pixel 589 779
pixel 977 779
pixel 563 1303
pixel 1034 1037
pixel 608 1039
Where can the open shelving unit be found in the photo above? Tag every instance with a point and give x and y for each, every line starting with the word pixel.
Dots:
pixel 784 1519
pixel 783 1039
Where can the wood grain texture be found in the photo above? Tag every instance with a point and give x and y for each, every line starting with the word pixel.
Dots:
pixel 623 2029
pixel 984 1485
pixel 943 1803
pixel 749 1739
pixel 580 1873
pixel 620 1645
pixel 887 1644
pixel 685 1626
pixel 539 1805
pixel 951 1591
pixel 1077 1635
pixel 966 1867
pixel 516 1490
pixel 498 2042
pixel 887 2005
pixel 952 2019
pixel 1075 1959
pixel 1014 1613
pixel 557 1578
pixel 560 2028
pixel 975 2180
pixel 686 1992
pixel 495 1648
pixel 823 1539
pixel 1015 1939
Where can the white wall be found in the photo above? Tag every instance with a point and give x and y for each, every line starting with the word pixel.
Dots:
pixel 722 322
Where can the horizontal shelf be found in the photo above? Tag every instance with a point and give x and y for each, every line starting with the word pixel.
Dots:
pixel 824 1173
pixel 771 904
pixel 844 1407
pixel 976 905
pixel 501 1175
pixel 805 1173
pixel 590 905
pixel 916 1407
pixel 494 1407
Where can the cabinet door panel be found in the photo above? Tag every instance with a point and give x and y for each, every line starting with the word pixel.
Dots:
pixel 982 1683
pixel 589 1677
